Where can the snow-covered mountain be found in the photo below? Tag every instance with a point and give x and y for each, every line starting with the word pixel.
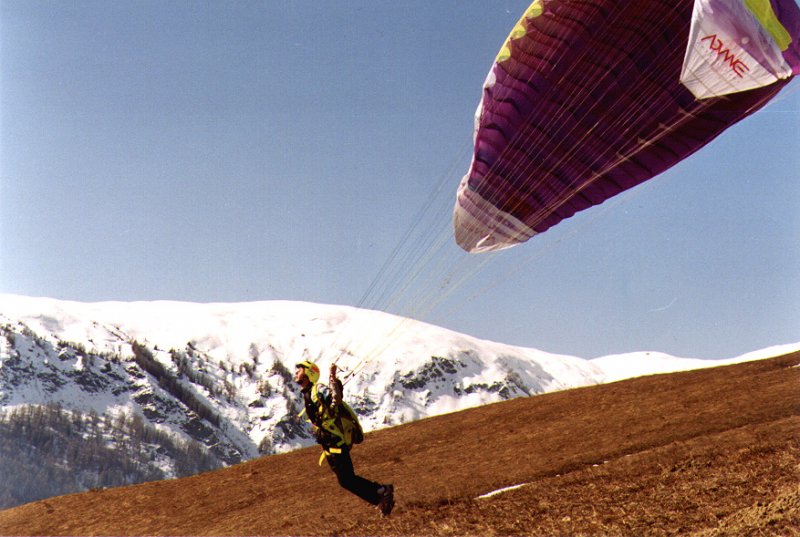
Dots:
pixel 636 364
pixel 221 374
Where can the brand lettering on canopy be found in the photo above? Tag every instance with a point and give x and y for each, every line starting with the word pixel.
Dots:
pixel 715 44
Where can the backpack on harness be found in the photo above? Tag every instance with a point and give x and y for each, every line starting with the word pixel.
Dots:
pixel 342 427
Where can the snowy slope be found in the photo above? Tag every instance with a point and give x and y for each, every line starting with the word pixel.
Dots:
pixel 236 361
pixel 623 366
pixel 221 373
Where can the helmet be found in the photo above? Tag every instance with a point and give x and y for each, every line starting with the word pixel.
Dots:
pixel 312 370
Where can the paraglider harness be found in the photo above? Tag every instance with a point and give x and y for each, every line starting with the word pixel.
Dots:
pixel 336 429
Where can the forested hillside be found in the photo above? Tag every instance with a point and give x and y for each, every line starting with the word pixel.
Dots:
pixel 47 451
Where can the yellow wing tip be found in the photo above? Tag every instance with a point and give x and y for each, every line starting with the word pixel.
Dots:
pixel 519 30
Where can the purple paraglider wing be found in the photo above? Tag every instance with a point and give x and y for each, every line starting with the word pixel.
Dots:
pixel 590 98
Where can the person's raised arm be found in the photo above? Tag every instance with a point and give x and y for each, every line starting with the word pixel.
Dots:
pixel 336 388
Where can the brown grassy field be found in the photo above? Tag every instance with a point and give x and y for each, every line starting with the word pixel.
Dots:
pixel 708 453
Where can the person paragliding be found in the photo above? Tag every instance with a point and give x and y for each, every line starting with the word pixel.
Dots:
pixel 336 429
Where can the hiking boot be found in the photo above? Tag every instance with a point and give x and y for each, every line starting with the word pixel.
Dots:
pixel 386 503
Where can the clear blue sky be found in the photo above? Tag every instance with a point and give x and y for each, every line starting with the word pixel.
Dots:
pixel 237 151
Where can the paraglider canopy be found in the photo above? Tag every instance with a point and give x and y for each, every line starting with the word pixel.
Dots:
pixel 588 99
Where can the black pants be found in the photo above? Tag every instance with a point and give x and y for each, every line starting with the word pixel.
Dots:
pixel 342 466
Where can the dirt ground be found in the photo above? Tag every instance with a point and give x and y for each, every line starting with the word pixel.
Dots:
pixel 707 453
